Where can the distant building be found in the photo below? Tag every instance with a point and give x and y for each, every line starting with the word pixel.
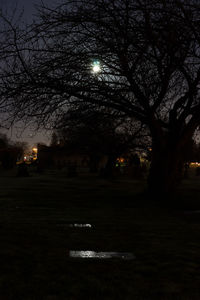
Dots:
pixel 60 157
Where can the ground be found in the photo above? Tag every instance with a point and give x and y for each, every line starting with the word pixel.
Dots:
pixel 35 239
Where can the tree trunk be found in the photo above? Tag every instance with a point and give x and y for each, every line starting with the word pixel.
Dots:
pixel 166 171
pixel 109 167
pixel 93 164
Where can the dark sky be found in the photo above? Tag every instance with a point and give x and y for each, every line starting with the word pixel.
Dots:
pixel 29 10
pixel 29 6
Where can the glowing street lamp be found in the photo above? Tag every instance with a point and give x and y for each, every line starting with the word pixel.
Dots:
pixel 34 153
pixel 96 66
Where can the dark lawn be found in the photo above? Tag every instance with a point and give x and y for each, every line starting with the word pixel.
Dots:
pixel 35 239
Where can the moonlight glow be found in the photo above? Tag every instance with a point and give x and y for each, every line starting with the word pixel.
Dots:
pixel 96 67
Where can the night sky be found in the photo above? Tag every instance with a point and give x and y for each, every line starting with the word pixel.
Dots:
pixel 29 6
pixel 29 10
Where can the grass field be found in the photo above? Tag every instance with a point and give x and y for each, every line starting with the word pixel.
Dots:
pixel 35 239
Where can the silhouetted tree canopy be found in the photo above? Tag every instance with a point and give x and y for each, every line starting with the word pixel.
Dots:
pixel 149 58
pixel 100 134
pixel 3 141
pixel 10 151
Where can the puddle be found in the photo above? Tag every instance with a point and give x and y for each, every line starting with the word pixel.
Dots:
pixel 76 225
pixel 80 225
pixel 101 255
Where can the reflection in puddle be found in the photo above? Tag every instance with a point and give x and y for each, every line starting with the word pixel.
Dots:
pixel 80 225
pixel 101 255
pixel 76 225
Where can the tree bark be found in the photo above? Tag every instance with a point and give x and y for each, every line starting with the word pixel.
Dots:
pixel 109 167
pixel 166 169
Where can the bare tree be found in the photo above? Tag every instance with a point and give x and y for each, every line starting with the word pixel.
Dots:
pixel 148 60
